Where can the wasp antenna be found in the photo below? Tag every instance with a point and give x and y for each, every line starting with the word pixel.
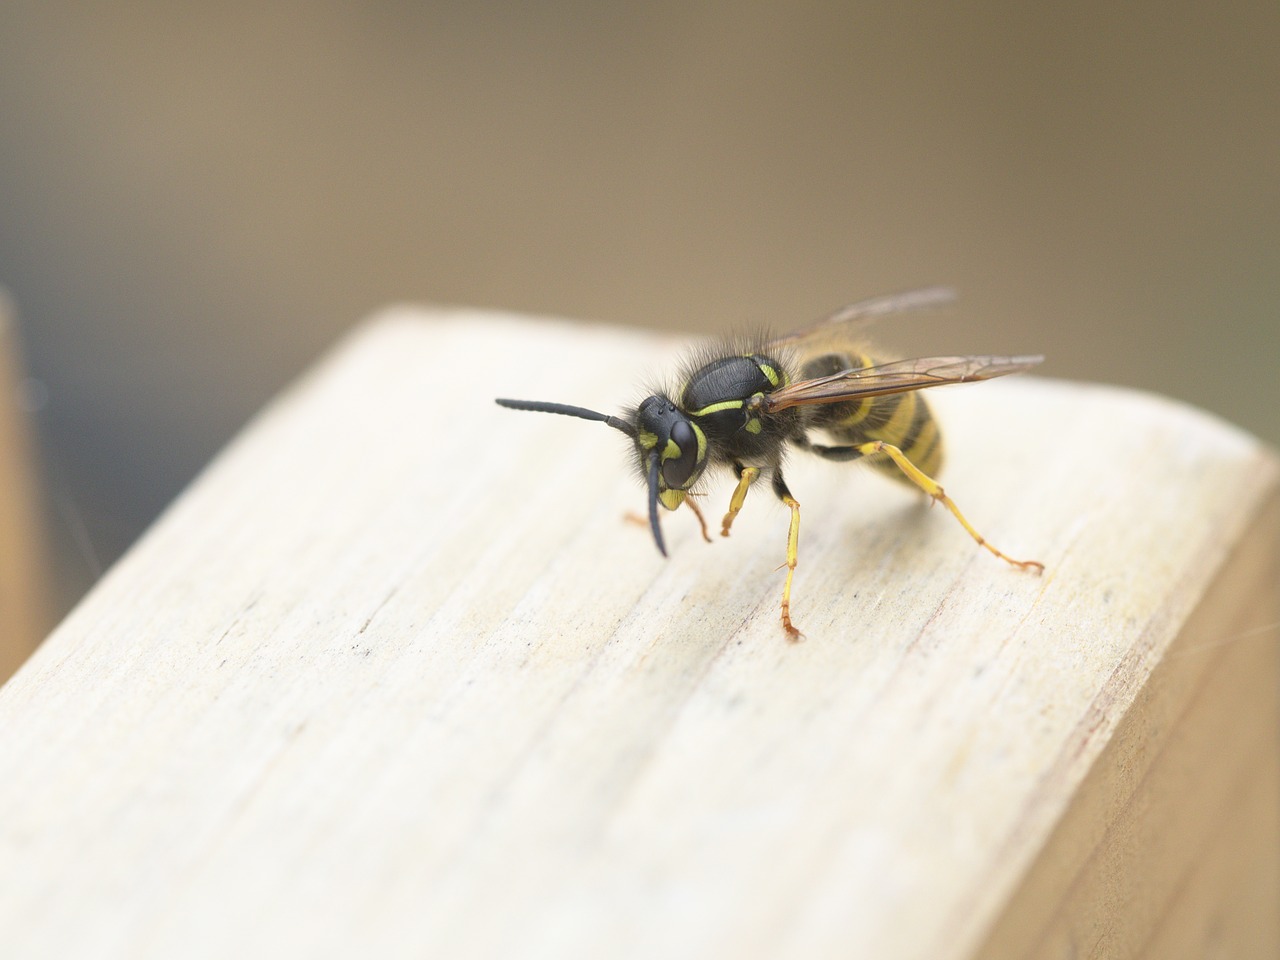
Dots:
pixel 653 503
pixel 565 410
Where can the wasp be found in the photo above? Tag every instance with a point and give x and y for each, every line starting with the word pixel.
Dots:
pixel 742 408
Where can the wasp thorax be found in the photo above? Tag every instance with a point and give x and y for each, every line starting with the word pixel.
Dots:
pixel 664 431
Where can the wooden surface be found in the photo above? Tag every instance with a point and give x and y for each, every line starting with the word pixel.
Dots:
pixel 24 617
pixel 395 678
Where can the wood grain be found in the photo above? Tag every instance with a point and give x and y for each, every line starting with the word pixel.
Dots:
pixel 396 678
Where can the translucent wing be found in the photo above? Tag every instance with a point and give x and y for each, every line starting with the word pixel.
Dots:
pixel 898 376
pixel 868 311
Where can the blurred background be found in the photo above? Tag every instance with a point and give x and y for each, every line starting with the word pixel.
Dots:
pixel 196 200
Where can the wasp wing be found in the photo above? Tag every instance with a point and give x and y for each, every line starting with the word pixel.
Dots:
pixel 898 376
pixel 868 311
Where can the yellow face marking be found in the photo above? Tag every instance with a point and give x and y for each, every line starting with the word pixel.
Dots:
pixel 702 441
pixel 671 498
pixel 647 440
pixel 771 373
pixel 670 451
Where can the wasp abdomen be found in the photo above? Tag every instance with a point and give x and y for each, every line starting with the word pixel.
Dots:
pixel 901 419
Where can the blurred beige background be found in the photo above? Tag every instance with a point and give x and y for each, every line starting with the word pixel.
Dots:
pixel 196 200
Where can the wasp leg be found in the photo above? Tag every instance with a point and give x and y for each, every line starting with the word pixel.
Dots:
pixel 921 480
pixel 632 517
pixel 793 543
pixel 688 502
pixel 746 477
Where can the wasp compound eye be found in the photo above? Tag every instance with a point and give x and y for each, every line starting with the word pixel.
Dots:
pixel 681 455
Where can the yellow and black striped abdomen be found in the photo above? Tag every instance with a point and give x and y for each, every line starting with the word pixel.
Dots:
pixel 901 419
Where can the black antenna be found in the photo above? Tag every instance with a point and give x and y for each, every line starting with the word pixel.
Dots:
pixel 565 410
pixel 653 503
pixel 582 413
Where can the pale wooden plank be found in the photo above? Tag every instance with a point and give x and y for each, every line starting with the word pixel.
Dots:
pixel 24 608
pixel 1136 867
pixel 1228 904
pixel 394 677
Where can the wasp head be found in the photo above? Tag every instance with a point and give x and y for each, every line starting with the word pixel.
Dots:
pixel 672 453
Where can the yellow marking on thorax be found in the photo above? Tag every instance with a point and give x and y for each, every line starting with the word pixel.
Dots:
pixel 716 408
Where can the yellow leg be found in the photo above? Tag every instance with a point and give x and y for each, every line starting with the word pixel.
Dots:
pixel 748 477
pixel 933 489
pixel 688 502
pixel 793 543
